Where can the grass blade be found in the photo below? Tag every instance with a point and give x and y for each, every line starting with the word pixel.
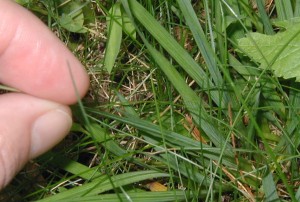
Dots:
pixel 269 188
pixel 297 8
pixel 298 194
pixel 71 166
pixel 201 40
pixel 142 196
pixel 191 100
pixel 181 56
pixel 114 37
pixel 284 9
pixel 173 139
pixel 105 184
pixel 268 29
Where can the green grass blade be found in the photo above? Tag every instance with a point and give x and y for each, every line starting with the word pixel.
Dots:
pixel 127 107
pixel 105 184
pixel 139 196
pixel 233 9
pixel 71 166
pixel 201 40
pixel 297 8
pixel 173 139
pixel 114 37
pixel 101 136
pixel 284 9
pixel 268 29
pixel 192 101
pixel 187 169
pixel 221 36
pixel 298 194
pixel 270 188
pixel 188 95
pixel 181 56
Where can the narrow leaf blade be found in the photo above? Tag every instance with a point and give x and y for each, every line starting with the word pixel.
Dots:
pixel 114 20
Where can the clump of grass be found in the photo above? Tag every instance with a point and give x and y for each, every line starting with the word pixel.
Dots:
pixel 183 115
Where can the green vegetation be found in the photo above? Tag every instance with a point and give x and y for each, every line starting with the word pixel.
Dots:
pixel 186 103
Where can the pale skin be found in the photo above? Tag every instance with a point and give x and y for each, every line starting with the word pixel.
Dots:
pixel 35 62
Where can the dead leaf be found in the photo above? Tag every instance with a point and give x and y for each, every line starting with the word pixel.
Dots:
pixel 156 186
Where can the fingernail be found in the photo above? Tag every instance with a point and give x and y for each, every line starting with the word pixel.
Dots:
pixel 48 130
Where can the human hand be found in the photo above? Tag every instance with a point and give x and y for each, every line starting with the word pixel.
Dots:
pixel 34 61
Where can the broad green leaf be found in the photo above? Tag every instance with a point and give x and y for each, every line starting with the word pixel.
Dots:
pixel 278 52
pixel 72 18
pixel 114 38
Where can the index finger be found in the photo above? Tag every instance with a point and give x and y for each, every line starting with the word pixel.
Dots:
pixel 33 60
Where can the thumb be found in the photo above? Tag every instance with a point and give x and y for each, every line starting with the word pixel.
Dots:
pixel 29 127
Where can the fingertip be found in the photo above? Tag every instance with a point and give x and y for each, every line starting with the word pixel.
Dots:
pixel 35 61
pixel 29 126
pixel 48 130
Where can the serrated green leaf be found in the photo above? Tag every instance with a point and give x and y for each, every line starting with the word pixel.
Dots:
pixel 278 52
